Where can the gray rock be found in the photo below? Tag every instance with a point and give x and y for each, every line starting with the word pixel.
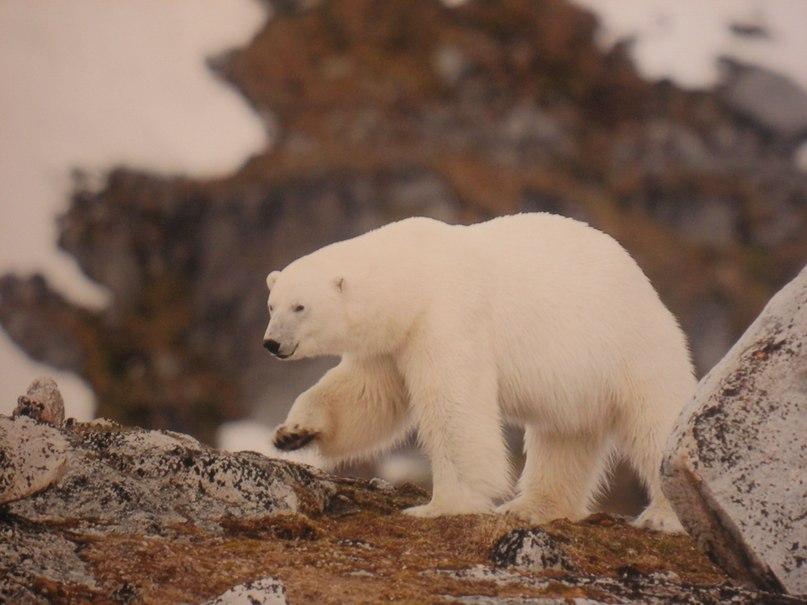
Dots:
pixel 713 221
pixel 628 586
pixel 734 468
pixel 42 402
pixel 41 554
pixel 530 548
pixel 527 124
pixel 451 65
pixel 266 591
pixel 773 101
pixel 32 456
pixel 146 481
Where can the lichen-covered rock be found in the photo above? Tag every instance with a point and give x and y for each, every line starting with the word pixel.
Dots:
pixel 628 586
pixel 266 591
pixel 35 555
pixel 146 481
pixel 735 465
pixel 151 490
pixel 32 456
pixel 42 402
pixel 530 548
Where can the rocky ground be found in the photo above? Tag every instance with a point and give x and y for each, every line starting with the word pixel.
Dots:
pixel 155 517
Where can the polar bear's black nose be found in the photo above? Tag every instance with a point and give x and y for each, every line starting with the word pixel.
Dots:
pixel 272 346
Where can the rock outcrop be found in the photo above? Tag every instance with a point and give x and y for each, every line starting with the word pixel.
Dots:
pixel 43 402
pixel 32 456
pixel 146 482
pixel 735 467
pixel 157 517
pixel 776 103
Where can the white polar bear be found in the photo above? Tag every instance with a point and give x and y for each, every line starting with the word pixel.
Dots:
pixel 535 319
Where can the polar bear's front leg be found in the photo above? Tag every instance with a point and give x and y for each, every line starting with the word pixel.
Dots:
pixel 454 399
pixel 356 409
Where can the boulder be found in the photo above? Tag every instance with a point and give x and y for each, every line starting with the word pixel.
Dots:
pixel 32 456
pixel 771 100
pixel 532 549
pixel 42 402
pixel 735 465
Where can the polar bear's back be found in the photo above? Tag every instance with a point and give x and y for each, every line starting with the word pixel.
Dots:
pixel 573 315
pixel 560 263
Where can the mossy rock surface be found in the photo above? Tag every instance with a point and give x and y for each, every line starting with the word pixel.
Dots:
pixel 157 517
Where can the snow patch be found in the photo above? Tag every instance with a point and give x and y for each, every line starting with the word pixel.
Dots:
pixel 683 40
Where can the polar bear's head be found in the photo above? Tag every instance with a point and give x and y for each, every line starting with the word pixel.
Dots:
pixel 307 314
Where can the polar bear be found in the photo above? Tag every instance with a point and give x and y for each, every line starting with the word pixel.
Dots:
pixel 534 319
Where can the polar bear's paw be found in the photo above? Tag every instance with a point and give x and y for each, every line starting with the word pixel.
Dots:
pixel 433 509
pixel 293 437
pixel 659 519
pixel 535 511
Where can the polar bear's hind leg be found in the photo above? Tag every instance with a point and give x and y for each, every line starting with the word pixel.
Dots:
pixel 560 477
pixel 642 439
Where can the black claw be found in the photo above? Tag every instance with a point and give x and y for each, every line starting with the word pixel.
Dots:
pixel 293 441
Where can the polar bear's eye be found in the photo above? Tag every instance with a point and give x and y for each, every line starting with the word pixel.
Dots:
pixel 299 308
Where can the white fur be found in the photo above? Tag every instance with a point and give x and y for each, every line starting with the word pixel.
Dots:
pixel 535 319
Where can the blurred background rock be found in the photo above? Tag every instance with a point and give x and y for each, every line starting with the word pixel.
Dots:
pixel 371 111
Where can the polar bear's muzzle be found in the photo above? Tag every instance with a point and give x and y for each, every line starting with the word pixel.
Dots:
pixel 274 347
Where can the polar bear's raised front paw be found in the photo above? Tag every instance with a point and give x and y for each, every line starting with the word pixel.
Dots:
pixel 293 437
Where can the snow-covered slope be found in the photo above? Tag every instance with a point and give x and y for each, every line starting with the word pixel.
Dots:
pixel 91 84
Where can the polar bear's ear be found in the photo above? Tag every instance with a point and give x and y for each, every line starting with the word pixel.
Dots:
pixel 339 283
pixel 271 279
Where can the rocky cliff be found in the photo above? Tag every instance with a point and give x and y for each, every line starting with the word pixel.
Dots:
pixel 382 110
